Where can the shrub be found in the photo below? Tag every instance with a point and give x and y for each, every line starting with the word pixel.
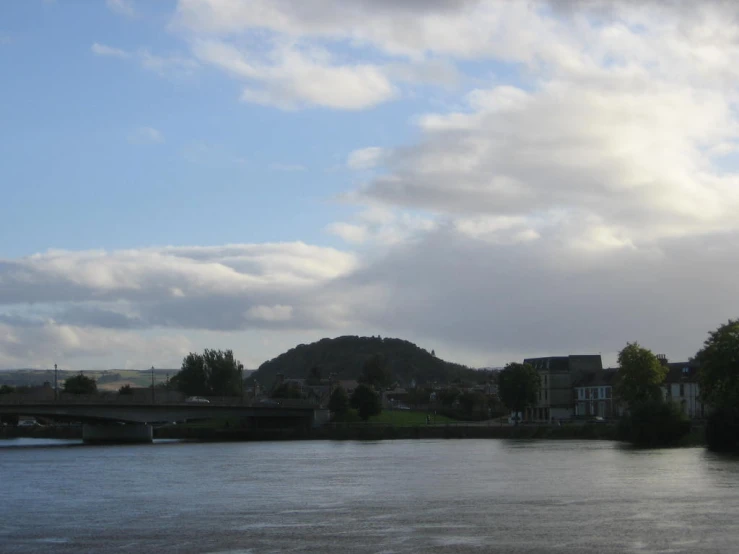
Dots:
pixel 654 424
pixel 722 430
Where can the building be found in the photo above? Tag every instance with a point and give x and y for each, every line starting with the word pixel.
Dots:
pixel 681 386
pixel 558 374
pixel 594 394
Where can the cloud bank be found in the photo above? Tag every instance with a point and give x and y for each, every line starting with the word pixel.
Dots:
pixel 577 193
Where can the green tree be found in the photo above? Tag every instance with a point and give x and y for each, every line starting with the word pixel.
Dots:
pixel 375 372
pixel 125 390
pixel 366 401
pixel 80 384
pixel 314 376
pixel 718 376
pixel 287 390
pixel 338 403
pixel 518 386
pixel 640 375
pixel 447 397
pixel 654 423
pixel 474 405
pixel 212 373
pixel 6 389
pixel 718 372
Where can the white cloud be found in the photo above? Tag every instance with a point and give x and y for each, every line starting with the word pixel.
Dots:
pixel 349 232
pixel 582 194
pixel 73 347
pixel 146 135
pixel 103 50
pixel 382 227
pixel 409 29
pixel 271 313
pixel 162 65
pixel 365 158
pixel 167 65
pixel 121 7
pixel 291 78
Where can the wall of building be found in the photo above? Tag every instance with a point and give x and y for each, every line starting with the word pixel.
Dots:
pixel 687 396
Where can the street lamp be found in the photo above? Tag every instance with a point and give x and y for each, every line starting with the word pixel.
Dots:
pixel 56 384
pixel 152 384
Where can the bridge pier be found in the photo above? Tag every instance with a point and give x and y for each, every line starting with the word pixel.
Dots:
pixel 128 433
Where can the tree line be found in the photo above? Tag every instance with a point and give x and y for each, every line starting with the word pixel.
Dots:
pixel 652 420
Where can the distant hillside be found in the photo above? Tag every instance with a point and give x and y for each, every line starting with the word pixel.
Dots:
pixel 345 357
pixel 107 379
pixel 111 379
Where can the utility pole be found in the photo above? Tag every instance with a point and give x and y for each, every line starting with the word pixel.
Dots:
pixel 56 384
pixel 152 384
pixel 241 380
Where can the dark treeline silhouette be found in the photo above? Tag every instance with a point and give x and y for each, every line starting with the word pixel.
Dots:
pixel 345 358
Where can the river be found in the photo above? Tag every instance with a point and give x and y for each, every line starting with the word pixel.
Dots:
pixel 390 497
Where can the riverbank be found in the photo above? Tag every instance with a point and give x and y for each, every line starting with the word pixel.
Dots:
pixel 361 432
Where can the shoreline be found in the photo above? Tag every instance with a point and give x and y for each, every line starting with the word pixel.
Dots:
pixel 359 432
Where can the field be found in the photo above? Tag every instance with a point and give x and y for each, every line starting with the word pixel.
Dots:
pixel 399 418
pixel 408 418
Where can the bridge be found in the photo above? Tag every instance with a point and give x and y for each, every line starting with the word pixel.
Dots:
pixel 132 422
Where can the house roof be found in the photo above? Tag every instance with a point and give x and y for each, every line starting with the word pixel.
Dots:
pixel 573 362
pixel 682 372
pixel 603 377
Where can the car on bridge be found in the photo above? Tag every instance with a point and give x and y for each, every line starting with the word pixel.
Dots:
pixel 197 400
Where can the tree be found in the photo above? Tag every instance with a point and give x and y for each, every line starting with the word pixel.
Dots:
pixel 639 376
pixel 338 403
pixel 314 376
pixel 6 389
pixel 718 377
pixel 654 423
pixel 366 401
pixel 125 390
pixel 448 396
pixel 375 372
pixel 518 386
pixel 474 405
pixel 212 373
pixel 718 372
pixel 80 384
pixel 287 390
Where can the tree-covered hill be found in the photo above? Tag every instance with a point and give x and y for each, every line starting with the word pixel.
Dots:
pixel 345 357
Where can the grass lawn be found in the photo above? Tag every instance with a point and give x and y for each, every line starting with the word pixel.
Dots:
pixel 407 418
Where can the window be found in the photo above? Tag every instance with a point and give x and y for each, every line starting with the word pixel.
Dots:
pixel 545 380
pixel 546 394
pixel 682 389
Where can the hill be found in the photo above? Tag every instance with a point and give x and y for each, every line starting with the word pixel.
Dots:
pixel 111 379
pixel 346 355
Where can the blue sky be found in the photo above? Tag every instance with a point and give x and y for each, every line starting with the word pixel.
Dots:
pixel 222 171
pixel 492 180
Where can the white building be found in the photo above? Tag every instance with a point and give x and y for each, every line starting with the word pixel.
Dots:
pixel 681 387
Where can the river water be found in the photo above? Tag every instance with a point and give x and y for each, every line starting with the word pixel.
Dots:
pixel 390 497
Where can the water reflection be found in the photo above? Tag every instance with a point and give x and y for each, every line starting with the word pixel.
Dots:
pixel 394 496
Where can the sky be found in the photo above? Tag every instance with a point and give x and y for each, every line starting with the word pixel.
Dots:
pixel 491 180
